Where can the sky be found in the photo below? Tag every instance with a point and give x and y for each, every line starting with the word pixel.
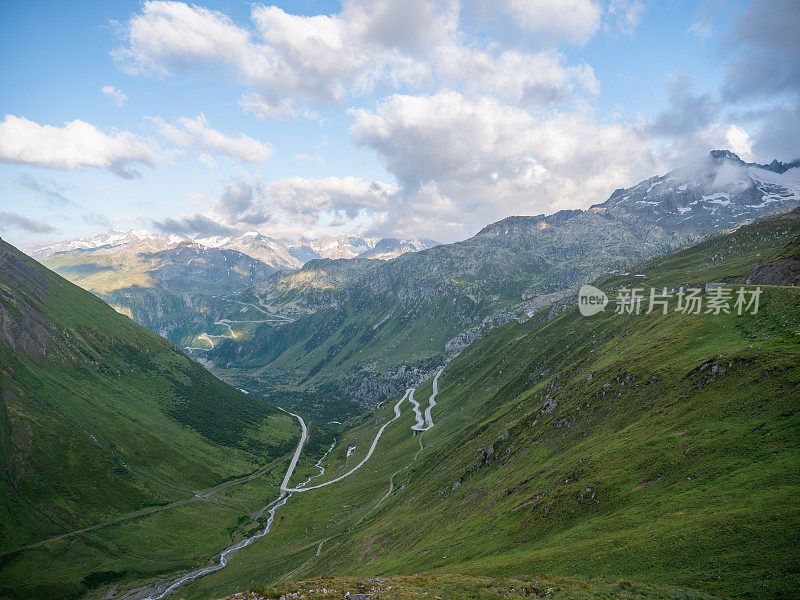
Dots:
pixel 388 118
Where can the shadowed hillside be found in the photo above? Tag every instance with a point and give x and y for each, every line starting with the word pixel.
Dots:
pixel 102 419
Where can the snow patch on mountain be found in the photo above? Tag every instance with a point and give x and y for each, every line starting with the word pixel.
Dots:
pixel 279 254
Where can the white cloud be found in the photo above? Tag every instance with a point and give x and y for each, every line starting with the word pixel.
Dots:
pixel 624 16
pixel 296 195
pixel 722 136
pixel 474 160
pixel 529 79
pixel 738 140
pixel 197 134
pixel 287 56
pixel 290 207
pixel 76 145
pixel 413 26
pixel 285 108
pixel 306 56
pixel 256 105
pixel 175 35
pixel 289 62
pixel 116 96
pixel 570 21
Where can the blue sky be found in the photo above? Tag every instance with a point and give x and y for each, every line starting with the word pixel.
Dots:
pixel 420 118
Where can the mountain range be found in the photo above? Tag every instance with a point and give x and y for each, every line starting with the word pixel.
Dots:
pixel 338 334
pixel 278 254
pixel 363 331
pixel 623 455
pixel 618 449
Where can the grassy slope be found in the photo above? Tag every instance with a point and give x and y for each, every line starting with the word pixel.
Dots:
pixel 302 365
pixel 460 587
pixel 100 272
pixel 111 420
pixel 661 448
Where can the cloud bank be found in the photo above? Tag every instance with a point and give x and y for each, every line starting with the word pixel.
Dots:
pixel 76 145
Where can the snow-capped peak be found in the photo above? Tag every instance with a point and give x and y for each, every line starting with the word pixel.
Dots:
pixel 254 244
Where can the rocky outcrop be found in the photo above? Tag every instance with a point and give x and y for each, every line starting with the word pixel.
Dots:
pixel 22 329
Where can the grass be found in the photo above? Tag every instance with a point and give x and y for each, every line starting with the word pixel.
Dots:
pixel 451 587
pixel 102 419
pixel 651 455
pixel 661 449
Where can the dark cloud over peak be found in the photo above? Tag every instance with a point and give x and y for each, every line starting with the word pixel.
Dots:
pixel 762 51
pixel 193 224
pixel 687 112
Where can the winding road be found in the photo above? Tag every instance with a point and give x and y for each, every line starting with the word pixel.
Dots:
pixel 287 491
pixel 209 337
pixel 427 422
pixel 285 488
pixel 264 309
pixel 272 507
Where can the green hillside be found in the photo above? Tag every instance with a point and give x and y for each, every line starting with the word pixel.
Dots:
pixel 101 420
pixel 364 329
pixel 173 291
pixel 658 449
pixel 461 587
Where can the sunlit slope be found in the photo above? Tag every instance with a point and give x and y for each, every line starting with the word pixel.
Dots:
pixel 365 329
pixel 101 418
pixel 658 448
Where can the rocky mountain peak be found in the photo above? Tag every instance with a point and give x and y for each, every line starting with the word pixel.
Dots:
pixel 522 224
pixel 775 166
pixel 725 155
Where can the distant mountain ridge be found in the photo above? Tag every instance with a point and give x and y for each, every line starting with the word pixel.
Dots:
pixel 278 254
pixel 172 283
pixel 343 330
pixel 775 166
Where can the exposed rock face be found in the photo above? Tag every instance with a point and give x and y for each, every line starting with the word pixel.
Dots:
pixel 718 193
pixel 22 329
pixel 785 271
pixel 189 267
pixel 517 225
